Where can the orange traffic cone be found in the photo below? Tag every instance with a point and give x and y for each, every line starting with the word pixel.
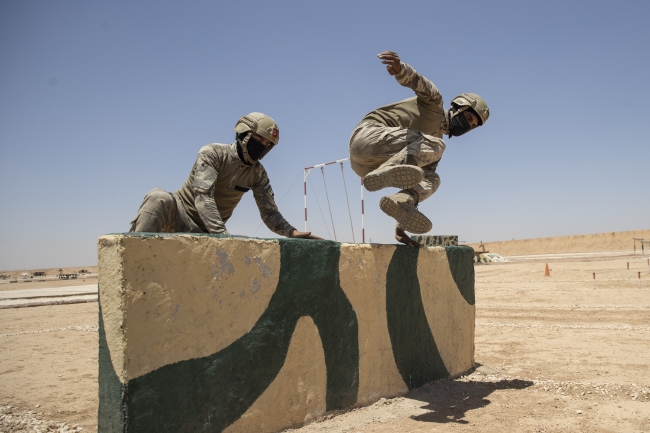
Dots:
pixel 546 271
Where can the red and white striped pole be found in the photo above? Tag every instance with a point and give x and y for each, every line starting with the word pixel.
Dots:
pixel 363 227
pixel 305 172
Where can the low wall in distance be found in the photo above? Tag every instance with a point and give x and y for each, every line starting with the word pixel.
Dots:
pixel 436 240
pixel 599 242
pixel 220 333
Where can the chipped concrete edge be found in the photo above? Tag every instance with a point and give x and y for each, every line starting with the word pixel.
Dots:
pixel 111 289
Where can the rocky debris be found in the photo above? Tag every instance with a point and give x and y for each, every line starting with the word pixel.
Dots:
pixel 587 389
pixel 14 421
pixel 558 327
pixel 582 389
pixel 486 370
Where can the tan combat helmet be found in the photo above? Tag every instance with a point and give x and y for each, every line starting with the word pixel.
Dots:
pixel 260 124
pixel 473 101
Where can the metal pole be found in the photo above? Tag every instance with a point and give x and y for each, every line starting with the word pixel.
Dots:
pixel 363 226
pixel 328 202
pixel 305 173
pixel 345 187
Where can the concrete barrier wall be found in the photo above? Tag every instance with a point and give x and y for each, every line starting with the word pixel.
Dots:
pixel 209 333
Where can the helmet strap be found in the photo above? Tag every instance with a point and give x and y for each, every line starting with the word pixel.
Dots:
pixel 242 149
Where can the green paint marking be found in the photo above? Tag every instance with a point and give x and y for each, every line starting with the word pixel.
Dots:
pixel 414 348
pixel 112 407
pixel 208 394
pixel 461 265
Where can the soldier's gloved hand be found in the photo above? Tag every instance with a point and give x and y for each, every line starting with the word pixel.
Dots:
pixel 392 62
pixel 303 235
pixel 405 239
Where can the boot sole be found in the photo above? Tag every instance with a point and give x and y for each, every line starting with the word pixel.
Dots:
pixel 399 176
pixel 411 220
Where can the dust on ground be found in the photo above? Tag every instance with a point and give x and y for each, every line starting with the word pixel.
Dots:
pixel 553 354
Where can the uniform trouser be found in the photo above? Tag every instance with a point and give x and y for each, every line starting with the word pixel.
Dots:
pixel 373 145
pixel 160 212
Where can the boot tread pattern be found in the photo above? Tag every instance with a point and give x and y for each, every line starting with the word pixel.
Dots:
pixel 399 176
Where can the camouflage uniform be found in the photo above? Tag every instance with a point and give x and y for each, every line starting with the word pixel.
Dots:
pixel 406 132
pixel 205 202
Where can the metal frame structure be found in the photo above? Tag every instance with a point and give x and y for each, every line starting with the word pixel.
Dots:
pixel 643 243
pixel 306 172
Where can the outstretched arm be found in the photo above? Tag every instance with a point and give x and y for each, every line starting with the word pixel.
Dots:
pixel 271 215
pixel 409 77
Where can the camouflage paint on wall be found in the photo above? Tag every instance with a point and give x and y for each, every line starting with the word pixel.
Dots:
pixel 214 333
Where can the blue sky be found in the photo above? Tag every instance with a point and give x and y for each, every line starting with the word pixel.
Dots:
pixel 100 102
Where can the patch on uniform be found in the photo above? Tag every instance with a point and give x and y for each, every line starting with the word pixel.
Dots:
pixel 271 191
pixel 275 133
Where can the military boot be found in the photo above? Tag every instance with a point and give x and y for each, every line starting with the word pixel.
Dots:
pixel 403 207
pixel 398 176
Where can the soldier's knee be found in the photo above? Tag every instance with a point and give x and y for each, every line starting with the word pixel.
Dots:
pixel 359 169
pixel 159 196
pixel 155 212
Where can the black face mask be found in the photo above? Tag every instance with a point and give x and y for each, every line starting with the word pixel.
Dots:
pixel 458 125
pixel 255 149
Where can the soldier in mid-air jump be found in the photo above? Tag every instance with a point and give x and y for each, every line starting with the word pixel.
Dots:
pixel 400 144
pixel 221 175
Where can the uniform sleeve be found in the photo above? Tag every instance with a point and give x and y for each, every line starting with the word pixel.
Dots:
pixel 423 88
pixel 205 177
pixel 269 212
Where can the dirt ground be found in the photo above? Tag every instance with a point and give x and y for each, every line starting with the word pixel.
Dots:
pixel 611 241
pixel 554 354
pixel 50 280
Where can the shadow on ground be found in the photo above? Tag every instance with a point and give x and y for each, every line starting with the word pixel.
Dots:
pixel 449 400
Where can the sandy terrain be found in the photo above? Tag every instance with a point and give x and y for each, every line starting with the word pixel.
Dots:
pixel 50 272
pixel 554 354
pixel 612 241
pixel 50 280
